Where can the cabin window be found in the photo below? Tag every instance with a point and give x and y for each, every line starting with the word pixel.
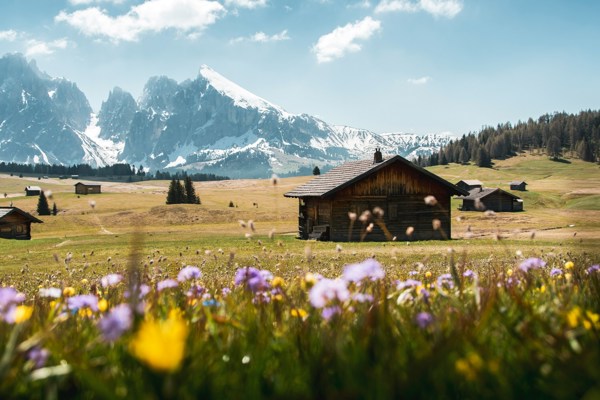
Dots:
pixel 6 229
pixel 20 229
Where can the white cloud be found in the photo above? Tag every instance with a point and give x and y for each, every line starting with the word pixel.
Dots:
pixel 85 2
pixel 262 37
pixel 342 40
pixel 188 16
pixel 9 36
pixel 39 48
pixel 419 81
pixel 437 8
pixel 246 3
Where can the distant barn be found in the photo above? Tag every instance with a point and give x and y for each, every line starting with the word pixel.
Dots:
pixel 518 185
pixel 391 191
pixel 469 184
pixel 493 199
pixel 16 223
pixel 82 188
pixel 33 191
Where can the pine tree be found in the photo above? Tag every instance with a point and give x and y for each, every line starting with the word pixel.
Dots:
pixel 54 209
pixel 316 171
pixel 463 158
pixel 42 207
pixel 172 193
pixel 483 158
pixel 190 192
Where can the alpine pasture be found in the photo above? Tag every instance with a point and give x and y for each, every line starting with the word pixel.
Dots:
pixel 123 296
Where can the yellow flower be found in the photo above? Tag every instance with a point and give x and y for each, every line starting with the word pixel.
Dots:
pixel 592 319
pixel 277 297
pixel 69 291
pixel 23 313
pixel 569 265
pixel 573 317
pixel 278 282
pixel 464 368
pixel 102 305
pixel 84 281
pixel 85 312
pixel 509 272
pixel 299 313
pixel 161 344
pixel 428 274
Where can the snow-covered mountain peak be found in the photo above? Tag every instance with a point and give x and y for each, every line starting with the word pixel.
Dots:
pixel 241 97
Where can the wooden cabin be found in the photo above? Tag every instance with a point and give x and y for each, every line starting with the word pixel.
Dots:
pixel 388 193
pixel 82 188
pixel 493 199
pixel 469 184
pixel 518 185
pixel 16 223
pixel 33 191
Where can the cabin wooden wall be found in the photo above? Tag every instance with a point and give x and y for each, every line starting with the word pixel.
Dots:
pixel 14 226
pixel 399 191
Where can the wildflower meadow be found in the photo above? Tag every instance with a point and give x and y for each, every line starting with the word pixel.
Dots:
pixel 521 327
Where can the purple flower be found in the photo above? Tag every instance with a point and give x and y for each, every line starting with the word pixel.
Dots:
pixel 195 291
pixel 9 297
pixel 531 263
pixel 166 284
pixel 362 298
pixel 593 268
pixel 254 279
pixel 445 279
pixel 327 290
pixel 189 272
pixel 50 292
pixel 144 290
pixel 423 319
pixel 409 283
pixel 225 291
pixel 111 280
pixel 413 273
pixel 556 271
pixel 38 355
pixel 83 301
pixel 116 322
pixel 330 312
pixel 369 268
pixel 469 274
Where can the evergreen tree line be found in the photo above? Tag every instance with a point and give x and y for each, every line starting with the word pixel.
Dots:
pixel 121 169
pixel 577 135
pixel 182 193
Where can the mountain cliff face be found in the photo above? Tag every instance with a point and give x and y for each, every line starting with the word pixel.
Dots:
pixel 208 124
pixel 41 119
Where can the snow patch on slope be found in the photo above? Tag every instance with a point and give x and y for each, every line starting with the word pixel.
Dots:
pixel 101 151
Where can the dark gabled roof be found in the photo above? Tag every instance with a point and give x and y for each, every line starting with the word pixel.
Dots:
pixel 481 193
pixel 4 211
pixel 471 182
pixel 348 173
pixel 85 184
pixel 517 183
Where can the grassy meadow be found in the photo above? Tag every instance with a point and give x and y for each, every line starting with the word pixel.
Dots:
pixel 240 308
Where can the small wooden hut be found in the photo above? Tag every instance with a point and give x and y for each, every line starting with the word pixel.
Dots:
pixel 493 199
pixel 518 185
pixel 469 184
pixel 375 200
pixel 33 190
pixel 16 223
pixel 82 188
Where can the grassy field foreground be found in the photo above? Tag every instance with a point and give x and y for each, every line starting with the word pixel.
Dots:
pixel 121 296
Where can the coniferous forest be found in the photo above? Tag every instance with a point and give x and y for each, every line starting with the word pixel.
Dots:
pixel 557 135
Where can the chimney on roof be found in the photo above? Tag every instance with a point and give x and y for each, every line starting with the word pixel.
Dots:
pixel 378 157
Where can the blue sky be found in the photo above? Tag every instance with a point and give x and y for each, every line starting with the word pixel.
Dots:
pixel 421 66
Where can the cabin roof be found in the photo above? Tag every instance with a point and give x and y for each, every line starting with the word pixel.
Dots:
pixel 33 188
pixel 517 183
pixel 85 184
pixel 484 192
pixel 4 211
pixel 350 172
pixel 471 182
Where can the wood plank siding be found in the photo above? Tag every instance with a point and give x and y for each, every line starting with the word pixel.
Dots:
pixel 396 187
